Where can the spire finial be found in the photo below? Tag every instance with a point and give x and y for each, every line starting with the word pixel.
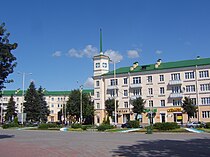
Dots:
pixel 101 52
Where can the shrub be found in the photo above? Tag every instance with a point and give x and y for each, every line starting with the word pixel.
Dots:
pixel 9 125
pixel 76 125
pixel 208 125
pixel 166 126
pixel 133 124
pixel 47 125
pixel 104 127
pixel 84 127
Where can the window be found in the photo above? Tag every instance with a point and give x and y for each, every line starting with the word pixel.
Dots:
pixel 176 89
pixel 150 103
pixel 58 99
pixel 150 91
pixel 190 88
pixel 61 105
pixel 136 80
pixel 58 105
pixel 52 111
pixel 52 99
pixel 175 76
pixel 112 92
pixel 52 105
pixel 204 74
pixel 206 114
pixel 162 91
pixel 113 82
pixel 125 92
pixel 205 87
pixel 125 80
pixel 104 65
pixel 161 78
pixel 137 91
pixel 162 103
pixel 97 94
pixel 97 83
pixel 189 75
pixel 193 100
pixel 205 101
pixel 149 79
pixel 98 106
pixel 126 104
pixel 97 65
pixel 177 102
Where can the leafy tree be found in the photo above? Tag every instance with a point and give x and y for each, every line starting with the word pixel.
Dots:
pixel 44 110
pixel 7 59
pixel 11 109
pixel 73 106
pixel 110 107
pixel 32 106
pixel 138 106
pixel 188 107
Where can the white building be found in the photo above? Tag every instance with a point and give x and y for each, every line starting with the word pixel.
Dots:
pixel 56 100
pixel 162 85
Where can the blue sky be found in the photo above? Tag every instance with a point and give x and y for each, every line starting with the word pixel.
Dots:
pixel 57 39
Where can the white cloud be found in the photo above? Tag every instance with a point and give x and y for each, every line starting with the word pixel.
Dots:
pixel 57 54
pixel 133 53
pixel 158 52
pixel 89 51
pixel 89 83
pixel 114 55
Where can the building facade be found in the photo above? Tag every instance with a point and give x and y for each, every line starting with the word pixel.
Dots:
pixel 162 85
pixel 56 100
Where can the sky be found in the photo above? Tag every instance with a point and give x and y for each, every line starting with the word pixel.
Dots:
pixel 58 39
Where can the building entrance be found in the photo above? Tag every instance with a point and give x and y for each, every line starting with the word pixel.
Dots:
pixel 178 117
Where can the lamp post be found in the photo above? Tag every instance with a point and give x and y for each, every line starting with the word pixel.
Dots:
pixel 81 88
pixel 115 94
pixel 23 83
pixel 2 107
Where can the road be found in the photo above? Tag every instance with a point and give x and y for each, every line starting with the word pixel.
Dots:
pixel 25 143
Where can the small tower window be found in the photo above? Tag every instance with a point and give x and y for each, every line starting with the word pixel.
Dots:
pixel 97 65
pixel 104 65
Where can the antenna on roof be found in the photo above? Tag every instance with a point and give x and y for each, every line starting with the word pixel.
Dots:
pixel 101 52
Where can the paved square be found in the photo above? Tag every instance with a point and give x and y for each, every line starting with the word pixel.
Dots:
pixel 23 143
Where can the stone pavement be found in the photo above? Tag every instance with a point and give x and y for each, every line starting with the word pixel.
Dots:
pixel 25 143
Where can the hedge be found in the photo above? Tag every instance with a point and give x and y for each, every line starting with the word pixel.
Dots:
pixel 166 126
pixel 104 127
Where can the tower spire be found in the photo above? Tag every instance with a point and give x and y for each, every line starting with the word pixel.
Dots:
pixel 101 52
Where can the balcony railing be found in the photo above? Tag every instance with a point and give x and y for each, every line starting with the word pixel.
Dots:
pixel 112 87
pixel 135 86
pixel 176 95
pixel 175 82
pixel 133 97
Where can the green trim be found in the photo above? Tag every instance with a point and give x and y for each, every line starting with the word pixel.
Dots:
pixel 162 66
pixel 47 93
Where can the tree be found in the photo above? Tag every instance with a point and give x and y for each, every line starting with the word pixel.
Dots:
pixel 7 59
pixel 138 106
pixel 73 106
pixel 44 110
pixel 32 106
pixel 11 110
pixel 110 107
pixel 188 107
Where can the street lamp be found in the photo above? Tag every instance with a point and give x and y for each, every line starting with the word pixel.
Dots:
pixel 81 88
pixel 2 107
pixel 23 79
pixel 115 94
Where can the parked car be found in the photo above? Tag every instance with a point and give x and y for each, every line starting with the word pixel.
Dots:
pixel 196 124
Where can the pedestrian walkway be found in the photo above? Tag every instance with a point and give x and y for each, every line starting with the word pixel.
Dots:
pixel 194 130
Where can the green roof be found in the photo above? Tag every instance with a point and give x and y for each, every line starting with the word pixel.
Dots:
pixel 46 93
pixel 162 66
